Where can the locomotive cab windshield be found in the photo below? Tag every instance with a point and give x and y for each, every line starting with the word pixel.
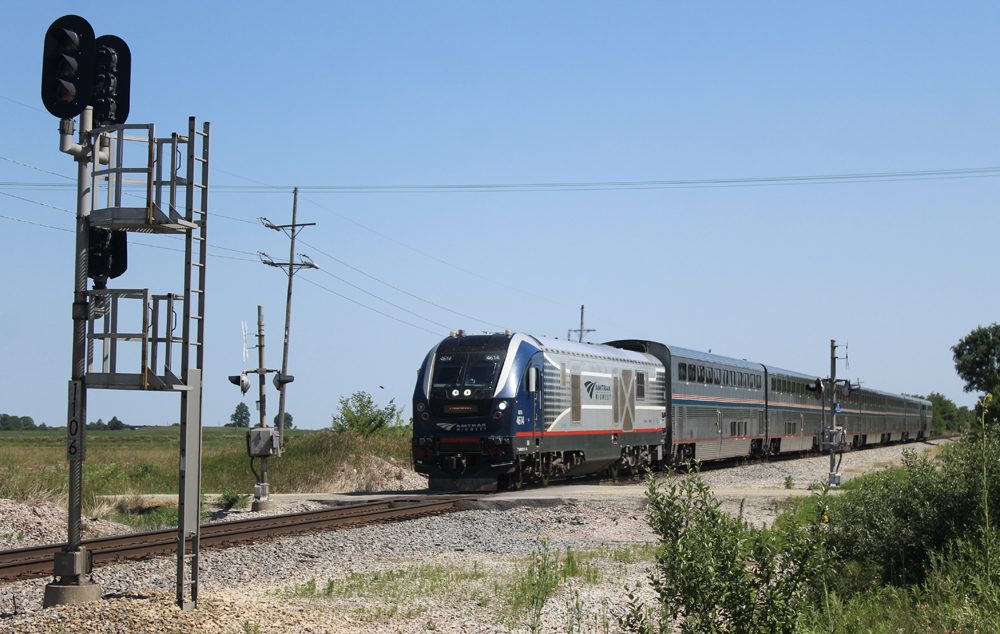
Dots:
pixel 463 381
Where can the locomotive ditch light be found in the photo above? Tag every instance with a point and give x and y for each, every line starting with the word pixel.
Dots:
pixel 241 380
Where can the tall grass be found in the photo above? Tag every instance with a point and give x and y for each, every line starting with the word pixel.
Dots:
pixel 144 461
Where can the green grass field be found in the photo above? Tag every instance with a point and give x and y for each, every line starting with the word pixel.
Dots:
pixel 145 461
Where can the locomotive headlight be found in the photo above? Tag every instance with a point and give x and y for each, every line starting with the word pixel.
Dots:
pixel 467 392
pixel 421 407
pixel 502 405
pixel 454 392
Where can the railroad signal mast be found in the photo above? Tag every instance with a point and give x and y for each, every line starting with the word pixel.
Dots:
pixel 833 437
pixel 89 77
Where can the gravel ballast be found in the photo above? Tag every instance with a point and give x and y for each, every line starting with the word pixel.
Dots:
pixel 250 587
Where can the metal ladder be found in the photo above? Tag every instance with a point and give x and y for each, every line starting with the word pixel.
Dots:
pixel 170 204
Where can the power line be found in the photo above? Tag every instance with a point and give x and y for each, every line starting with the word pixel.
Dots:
pixel 36 168
pixel 38 224
pixel 417 297
pixel 827 179
pixel 27 200
pixel 861 177
pixel 141 244
pixel 431 257
pixel 382 299
pixel 374 310
pixel 21 104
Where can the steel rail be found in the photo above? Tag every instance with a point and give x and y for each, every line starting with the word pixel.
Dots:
pixel 38 560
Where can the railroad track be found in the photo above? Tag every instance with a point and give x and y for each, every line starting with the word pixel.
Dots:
pixel 38 560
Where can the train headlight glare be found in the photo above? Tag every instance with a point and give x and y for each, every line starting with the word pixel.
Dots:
pixel 454 392
pixel 502 405
pixel 467 392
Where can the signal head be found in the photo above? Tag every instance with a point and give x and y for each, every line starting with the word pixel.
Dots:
pixel 280 380
pixel 113 68
pixel 68 66
pixel 241 380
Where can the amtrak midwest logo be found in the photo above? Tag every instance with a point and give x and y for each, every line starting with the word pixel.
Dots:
pixel 597 391
pixel 462 427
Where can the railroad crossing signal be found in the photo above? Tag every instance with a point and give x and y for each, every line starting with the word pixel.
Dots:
pixel 79 71
pixel 816 387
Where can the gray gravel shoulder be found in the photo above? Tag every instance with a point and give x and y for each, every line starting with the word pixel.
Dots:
pixel 252 585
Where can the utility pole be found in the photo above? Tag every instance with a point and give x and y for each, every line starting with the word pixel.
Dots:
pixel 262 441
pixel 304 262
pixel 581 330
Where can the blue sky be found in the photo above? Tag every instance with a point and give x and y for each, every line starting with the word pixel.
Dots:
pixel 434 94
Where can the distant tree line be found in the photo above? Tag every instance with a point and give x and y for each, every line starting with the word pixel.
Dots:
pixel 112 425
pixel 9 422
pixel 947 416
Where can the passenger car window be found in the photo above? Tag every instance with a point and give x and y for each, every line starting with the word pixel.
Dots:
pixel 682 372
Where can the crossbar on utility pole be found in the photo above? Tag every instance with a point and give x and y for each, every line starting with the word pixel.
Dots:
pixel 291 268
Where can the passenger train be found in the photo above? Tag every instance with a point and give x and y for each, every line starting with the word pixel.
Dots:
pixel 508 408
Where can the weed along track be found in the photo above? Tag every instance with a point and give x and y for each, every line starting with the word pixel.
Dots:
pixel 38 560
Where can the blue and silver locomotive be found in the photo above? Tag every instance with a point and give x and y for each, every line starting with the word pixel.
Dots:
pixel 506 408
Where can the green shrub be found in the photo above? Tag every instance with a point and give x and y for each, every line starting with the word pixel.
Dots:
pixel 721 574
pixel 894 520
pixel 358 413
pixel 232 499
